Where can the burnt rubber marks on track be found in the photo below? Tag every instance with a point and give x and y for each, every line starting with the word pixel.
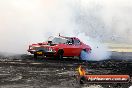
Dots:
pixel 25 72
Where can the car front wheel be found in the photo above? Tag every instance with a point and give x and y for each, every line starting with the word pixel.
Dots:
pixel 35 56
pixel 60 54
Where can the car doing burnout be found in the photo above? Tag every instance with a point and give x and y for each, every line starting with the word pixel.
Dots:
pixel 59 47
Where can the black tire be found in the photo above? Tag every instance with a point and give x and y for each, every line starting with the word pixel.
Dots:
pixel 60 54
pixel 35 56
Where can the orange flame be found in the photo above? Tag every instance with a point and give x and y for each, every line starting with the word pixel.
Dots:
pixel 81 71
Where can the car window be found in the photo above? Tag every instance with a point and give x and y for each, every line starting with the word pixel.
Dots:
pixel 76 42
pixel 58 40
pixel 69 41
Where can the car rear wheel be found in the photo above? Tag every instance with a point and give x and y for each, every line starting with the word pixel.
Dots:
pixel 84 55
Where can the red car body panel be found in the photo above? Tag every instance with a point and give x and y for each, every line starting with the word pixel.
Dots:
pixel 69 49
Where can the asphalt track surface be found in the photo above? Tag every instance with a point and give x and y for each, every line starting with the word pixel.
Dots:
pixel 23 71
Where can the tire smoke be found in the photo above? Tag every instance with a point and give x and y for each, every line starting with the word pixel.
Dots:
pixel 99 50
pixel 24 22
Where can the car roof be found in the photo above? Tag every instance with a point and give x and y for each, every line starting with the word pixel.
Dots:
pixel 68 37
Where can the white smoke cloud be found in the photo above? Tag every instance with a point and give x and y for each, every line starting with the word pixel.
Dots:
pixel 99 50
pixel 29 21
pixel 26 21
pixel 110 20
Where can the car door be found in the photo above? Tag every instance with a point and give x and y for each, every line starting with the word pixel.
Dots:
pixel 69 48
pixel 77 47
